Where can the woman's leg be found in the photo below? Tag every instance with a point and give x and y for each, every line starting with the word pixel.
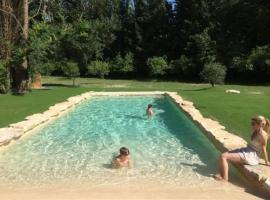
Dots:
pixel 223 163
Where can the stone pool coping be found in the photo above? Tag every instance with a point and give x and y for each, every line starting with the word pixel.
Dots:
pixel 222 139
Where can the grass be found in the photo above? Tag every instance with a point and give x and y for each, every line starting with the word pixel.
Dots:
pixel 232 110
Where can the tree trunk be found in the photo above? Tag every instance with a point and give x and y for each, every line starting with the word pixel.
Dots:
pixel 6 34
pixel 20 76
pixel 74 81
pixel 24 84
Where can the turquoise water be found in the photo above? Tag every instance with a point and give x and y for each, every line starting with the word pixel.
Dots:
pixel 166 149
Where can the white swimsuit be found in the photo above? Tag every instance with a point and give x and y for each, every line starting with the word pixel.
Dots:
pixel 250 154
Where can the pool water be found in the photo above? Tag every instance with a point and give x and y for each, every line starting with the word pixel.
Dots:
pixel 167 148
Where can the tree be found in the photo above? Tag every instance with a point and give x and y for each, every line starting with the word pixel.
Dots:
pixel 99 68
pixel 157 65
pixel 214 73
pixel 122 64
pixel 21 78
pixel 4 82
pixel 182 67
pixel 86 40
pixel 259 60
pixel 39 44
pixel 71 70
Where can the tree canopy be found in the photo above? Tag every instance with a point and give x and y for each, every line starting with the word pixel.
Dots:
pixel 132 38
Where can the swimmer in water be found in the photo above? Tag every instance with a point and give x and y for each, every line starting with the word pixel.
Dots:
pixel 123 159
pixel 149 110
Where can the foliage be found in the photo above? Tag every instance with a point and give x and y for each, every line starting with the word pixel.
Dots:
pixel 201 49
pixel 259 59
pixel 182 67
pixel 157 65
pixel 41 38
pixel 71 70
pixel 214 73
pixel 99 68
pixel 126 33
pixel 122 64
pixel 85 40
pixel 4 77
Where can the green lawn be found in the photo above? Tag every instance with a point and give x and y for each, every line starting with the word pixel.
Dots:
pixel 232 110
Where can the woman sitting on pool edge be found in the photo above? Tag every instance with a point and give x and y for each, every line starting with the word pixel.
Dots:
pixel 149 110
pixel 250 154
pixel 123 159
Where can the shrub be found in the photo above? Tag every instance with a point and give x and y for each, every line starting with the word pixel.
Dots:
pixel 157 65
pixel 48 68
pixel 71 70
pixel 182 66
pixel 259 59
pixel 214 73
pixel 122 64
pixel 99 68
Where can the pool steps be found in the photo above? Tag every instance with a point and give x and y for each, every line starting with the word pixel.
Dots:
pixel 222 139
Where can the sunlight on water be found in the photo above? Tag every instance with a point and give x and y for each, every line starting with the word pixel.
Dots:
pixel 167 149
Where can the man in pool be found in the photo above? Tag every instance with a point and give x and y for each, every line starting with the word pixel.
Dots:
pixel 149 110
pixel 123 159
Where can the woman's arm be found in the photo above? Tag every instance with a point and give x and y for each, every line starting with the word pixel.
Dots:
pixel 264 149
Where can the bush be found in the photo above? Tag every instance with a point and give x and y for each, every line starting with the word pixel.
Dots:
pixel 183 66
pixel 48 68
pixel 4 78
pixel 99 68
pixel 157 65
pixel 71 70
pixel 259 59
pixel 122 64
pixel 214 73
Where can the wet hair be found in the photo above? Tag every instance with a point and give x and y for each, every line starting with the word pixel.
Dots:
pixel 124 151
pixel 149 106
pixel 262 121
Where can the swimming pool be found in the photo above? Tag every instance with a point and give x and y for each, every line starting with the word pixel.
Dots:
pixel 166 149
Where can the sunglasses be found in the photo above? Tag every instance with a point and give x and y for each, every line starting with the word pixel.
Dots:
pixel 253 123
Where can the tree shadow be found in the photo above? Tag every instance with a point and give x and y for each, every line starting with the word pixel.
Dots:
pixel 58 85
pixel 87 83
pixel 196 90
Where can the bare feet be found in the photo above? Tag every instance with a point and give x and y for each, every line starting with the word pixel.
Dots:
pixel 218 177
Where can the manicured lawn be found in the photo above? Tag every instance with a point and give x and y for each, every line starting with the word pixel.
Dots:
pixel 232 110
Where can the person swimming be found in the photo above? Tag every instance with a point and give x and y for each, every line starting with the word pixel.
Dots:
pixel 149 110
pixel 123 159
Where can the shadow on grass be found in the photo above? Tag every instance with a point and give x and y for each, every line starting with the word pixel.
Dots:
pixel 196 90
pixel 59 85
pixel 93 83
pixel 20 93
